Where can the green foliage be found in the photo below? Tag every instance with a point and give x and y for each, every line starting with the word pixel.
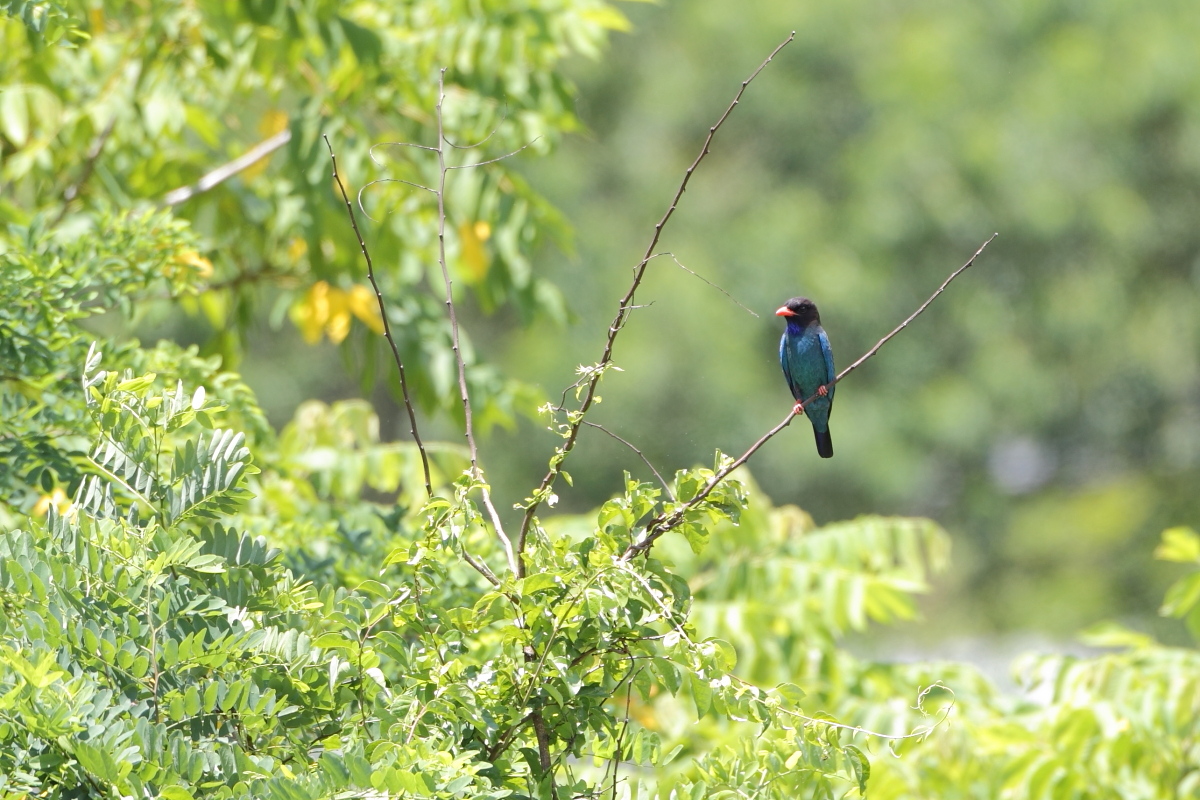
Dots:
pixel 193 605
pixel 152 646
pixel 50 285
pixel 148 99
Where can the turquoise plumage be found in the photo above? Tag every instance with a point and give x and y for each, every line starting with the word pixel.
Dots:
pixel 807 361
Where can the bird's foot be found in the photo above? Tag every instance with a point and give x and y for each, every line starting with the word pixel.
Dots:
pixel 822 390
pixel 798 409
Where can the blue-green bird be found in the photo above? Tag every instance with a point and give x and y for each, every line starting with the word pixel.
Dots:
pixel 807 361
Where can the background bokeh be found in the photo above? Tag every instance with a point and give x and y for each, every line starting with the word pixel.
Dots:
pixel 1046 409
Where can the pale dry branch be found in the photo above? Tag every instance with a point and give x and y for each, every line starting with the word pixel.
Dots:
pixel 443 170
pixel 494 160
pixel 227 171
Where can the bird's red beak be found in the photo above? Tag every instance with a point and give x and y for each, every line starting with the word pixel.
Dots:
pixel 784 311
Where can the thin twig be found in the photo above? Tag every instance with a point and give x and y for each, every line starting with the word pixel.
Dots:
pixel 227 171
pixel 482 141
pixel 507 738
pixel 358 198
pixel 454 337
pixel 679 264
pixel 89 166
pixel 917 733
pixel 494 160
pixel 645 460
pixel 482 568
pixel 621 737
pixel 623 309
pixel 387 328
pixel 665 522
pixel 371 150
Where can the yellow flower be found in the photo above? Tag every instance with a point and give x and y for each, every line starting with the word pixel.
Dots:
pixel 190 258
pixel 327 310
pixel 474 255
pixel 57 498
pixel 363 305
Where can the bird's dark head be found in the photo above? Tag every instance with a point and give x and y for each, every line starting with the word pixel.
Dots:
pixel 800 311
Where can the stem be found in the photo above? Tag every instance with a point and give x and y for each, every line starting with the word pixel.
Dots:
pixel 387 328
pixel 227 171
pixel 454 337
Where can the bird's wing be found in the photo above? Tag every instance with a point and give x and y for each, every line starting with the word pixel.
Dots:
pixel 827 352
pixel 783 362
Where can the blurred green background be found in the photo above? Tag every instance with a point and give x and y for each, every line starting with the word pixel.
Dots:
pixel 1046 409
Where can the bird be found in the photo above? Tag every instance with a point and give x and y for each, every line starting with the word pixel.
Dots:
pixel 807 361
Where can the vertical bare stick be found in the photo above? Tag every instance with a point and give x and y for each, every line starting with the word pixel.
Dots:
pixel 454 338
pixel 387 329
pixel 623 308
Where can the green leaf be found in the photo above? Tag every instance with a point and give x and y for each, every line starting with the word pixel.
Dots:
pixel 791 693
pixel 1181 545
pixel 538 582
pixel 859 766
pixel 701 694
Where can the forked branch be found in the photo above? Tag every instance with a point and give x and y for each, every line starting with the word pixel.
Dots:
pixel 666 521
pixel 623 309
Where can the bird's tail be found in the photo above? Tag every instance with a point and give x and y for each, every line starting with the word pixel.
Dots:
pixel 824 443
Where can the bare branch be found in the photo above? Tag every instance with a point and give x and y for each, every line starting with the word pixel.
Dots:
pixel 89 165
pixel 665 522
pixel 227 171
pixel 701 277
pixel 645 460
pixel 387 328
pixel 454 337
pixel 392 180
pixel 623 309
pixel 482 568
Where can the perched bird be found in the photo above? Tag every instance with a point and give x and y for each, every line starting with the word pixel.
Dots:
pixel 807 361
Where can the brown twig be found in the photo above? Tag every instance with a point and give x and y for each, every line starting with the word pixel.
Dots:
pixel 666 486
pixel 695 274
pixel 543 742
pixel 454 337
pixel 89 166
pixel 665 522
pixel 507 738
pixel 227 171
pixel 387 328
pixel 623 309
pixel 621 737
